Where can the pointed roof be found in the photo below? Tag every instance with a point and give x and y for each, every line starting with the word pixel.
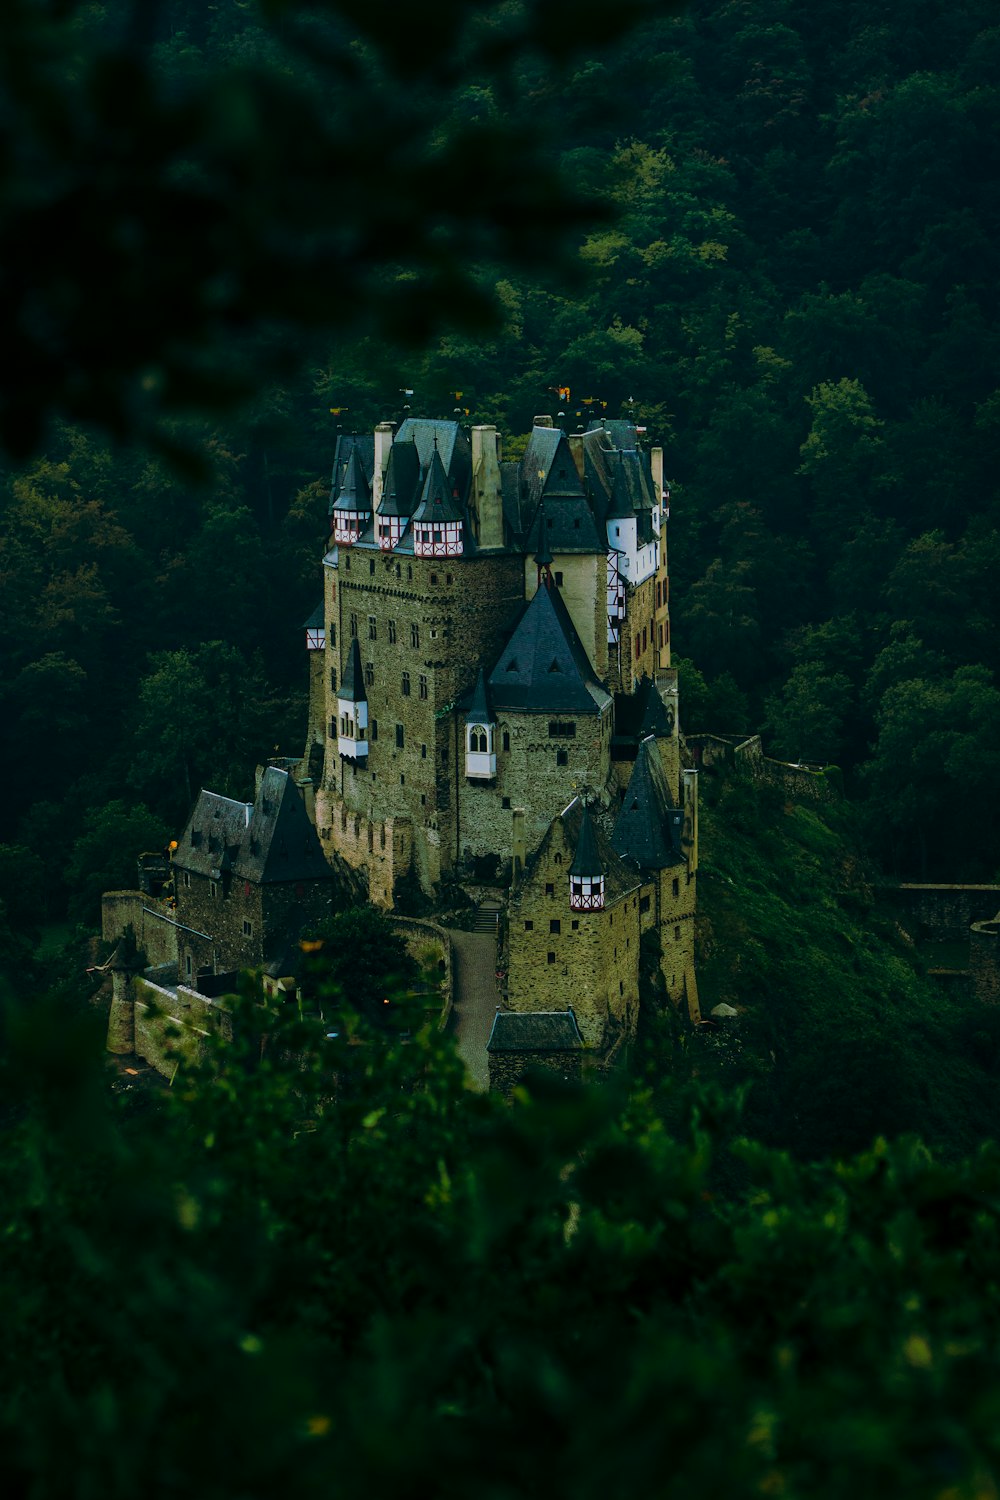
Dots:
pixel 431 435
pixel 280 843
pixel 352 686
pixel 402 479
pixel 655 718
pixel 648 827
pixel 478 710
pixel 437 503
pixel 621 507
pixel 355 491
pixel 317 620
pixel 587 859
pixel 544 667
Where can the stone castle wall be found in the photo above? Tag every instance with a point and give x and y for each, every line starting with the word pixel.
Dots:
pixel 943 912
pixel 154 925
pixel 171 1026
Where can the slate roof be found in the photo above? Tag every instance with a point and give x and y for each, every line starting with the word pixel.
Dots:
pixel 642 713
pixel 478 710
pixel 544 667
pixel 587 859
pixel 431 435
pixel 217 824
pixel 535 1031
pixel 620 876
pixel 648 827
pixel 280 843
pixel 437 503
pixel 537 460
pixel 353 491
pixel 352 685
pixel 401 486
pixel 363 444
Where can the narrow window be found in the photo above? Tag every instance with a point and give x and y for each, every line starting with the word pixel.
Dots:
pixel 354 627
pixel 399 736
pixel 550 957
pixel 559 582
pixel 414 636
pixel 505 802
pixel 423 752
pixel 675 887
pixel 333 635
pixel 423 686
pixel 369 674
pixel 506 739
pixel 371 566
pixel 372 626
pixel 406 684
pixel 562 757
pixel 247 928
pixel 333 679
pixel 392 632
pixel 373 729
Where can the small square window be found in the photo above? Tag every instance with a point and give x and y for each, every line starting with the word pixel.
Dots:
pixel 550 889
pixel 423 798
pixel 434 577
pixel 559 577
pixel 562 758
pixel 529 926
pixel 505 802
pixel 575 926
pixel 555 925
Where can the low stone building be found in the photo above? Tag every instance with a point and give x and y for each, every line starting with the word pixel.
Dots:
pixel 549 1040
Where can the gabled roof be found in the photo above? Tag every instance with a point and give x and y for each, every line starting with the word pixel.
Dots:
pixel 280 842
pixel 215 825
pixel 352 685
pixel 437 503
pixel 401 486
pixel 535 1031
pixel 621 507
pixel 478 710
pixel 544 667
pixel 648 827
pixel 553 484
pixel 354 491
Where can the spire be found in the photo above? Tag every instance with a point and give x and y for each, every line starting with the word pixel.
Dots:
pixel 587 860
pixel 352 688
pixel 478 711
pixel 437 503
pixel 354 493
pixel 648 827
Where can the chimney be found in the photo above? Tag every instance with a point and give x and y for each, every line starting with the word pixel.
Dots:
pixel 383 442
pixel 656 464
pixel 486 487
pixel 576 448
pixel 542 421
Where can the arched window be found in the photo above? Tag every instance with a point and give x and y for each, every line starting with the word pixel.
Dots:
pixel 478 740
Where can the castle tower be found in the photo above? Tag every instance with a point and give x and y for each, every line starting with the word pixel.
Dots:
pixel 352 508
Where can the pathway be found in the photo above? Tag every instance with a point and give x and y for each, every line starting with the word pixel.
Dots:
pixel 476 997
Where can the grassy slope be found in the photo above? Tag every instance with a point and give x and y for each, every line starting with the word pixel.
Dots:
pixel 841 1032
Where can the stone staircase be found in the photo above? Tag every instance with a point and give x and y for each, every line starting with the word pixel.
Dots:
pixel 486 917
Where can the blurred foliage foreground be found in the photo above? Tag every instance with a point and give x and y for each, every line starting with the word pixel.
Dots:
pixel 244 1285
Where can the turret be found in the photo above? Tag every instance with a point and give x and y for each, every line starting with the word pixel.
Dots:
pixel 352 710
pixel 480 735
pixel 352 508
pixel 586 873
pixel 438 524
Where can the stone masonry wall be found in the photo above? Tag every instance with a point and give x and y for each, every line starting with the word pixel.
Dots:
pixel 944 912
pixel 507 1069
pixel 154 925
pixel 172 1025
pixel 591 962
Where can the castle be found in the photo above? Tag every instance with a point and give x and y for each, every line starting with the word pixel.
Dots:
pixel 492 701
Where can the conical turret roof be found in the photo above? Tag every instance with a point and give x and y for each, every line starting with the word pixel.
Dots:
pixel 355 493
pixel 648 827
pixel 478 711
pixel 352 688
pixel 587 859
pixel 437 503
pixel 402 474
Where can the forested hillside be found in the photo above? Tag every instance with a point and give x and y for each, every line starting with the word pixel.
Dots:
pixel 789 267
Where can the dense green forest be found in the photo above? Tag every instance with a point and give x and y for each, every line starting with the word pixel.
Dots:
pixel 787 269
pixel 768 229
